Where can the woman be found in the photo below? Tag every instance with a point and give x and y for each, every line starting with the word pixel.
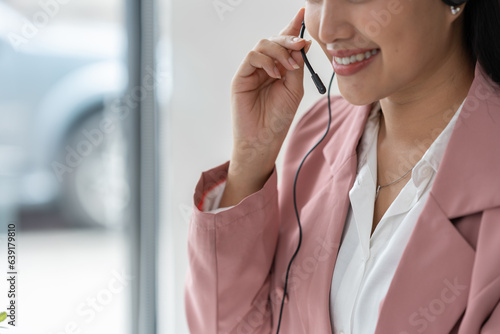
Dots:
pixel 399 204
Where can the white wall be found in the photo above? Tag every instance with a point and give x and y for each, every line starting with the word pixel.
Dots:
pixel 207 48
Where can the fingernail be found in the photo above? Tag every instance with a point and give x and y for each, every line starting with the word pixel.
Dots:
pixel 297 39
pixel 277 72
pixel 293 63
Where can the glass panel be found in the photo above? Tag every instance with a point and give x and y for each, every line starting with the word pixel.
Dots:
pixel 63 177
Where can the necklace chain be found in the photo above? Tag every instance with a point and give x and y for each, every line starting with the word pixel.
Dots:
pixel 386 185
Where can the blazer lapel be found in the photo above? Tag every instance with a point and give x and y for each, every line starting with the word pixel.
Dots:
pixel 324 233
pixel 323 224
pixel 430 287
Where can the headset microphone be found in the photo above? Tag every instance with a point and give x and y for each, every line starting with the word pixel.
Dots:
pixel 322 90
pixel 314 76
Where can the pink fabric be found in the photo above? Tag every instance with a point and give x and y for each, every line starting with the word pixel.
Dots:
pixel 448 279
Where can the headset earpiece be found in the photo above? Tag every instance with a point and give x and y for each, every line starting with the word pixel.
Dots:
pixel 455 3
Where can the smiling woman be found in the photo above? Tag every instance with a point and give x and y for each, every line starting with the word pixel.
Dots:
pixel 402 191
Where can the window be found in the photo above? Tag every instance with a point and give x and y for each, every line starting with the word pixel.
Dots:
pixel 64 179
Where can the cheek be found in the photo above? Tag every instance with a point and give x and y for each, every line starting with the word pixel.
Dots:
pixel 406 30
pixel 312 20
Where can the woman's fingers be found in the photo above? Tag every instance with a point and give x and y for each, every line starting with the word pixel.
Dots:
pixel 258 60
pixel 278 56
pixel 267 51
pixel 289 42
pixel 279 48
pixel 258 98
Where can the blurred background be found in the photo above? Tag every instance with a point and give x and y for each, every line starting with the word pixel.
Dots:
pixel 109 112
pixel 63 173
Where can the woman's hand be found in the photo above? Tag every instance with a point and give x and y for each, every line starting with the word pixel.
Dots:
pixel 265 94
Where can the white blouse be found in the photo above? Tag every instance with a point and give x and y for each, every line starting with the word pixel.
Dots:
pixel 365 265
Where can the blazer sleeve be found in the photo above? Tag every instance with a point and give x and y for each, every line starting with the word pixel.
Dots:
pixel 230 257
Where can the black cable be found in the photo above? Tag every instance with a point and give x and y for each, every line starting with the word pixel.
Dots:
pixel 295 199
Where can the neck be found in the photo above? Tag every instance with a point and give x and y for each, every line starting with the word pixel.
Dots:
pixel 416 117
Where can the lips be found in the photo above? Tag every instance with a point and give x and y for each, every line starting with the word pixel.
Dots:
pixel 351 61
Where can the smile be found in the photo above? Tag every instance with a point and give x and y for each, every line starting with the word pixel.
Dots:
pixel 355 58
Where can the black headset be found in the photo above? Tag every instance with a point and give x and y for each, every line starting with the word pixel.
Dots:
pixel 321 89
pixel 454 2
pixel 314 76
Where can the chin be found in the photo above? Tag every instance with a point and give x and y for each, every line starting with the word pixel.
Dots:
pixel 358 91
pixel 357 98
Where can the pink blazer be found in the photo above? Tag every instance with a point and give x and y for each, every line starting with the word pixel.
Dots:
pixel 448 279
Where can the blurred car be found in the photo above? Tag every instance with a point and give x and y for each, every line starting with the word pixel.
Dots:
pixel 54 93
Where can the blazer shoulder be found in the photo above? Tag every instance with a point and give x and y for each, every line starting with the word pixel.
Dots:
pixel 316 117
pixel 318 112
pixel 347 124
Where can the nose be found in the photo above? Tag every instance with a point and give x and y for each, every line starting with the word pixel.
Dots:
pixel 334 25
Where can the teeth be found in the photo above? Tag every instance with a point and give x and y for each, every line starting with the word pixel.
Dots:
pixel 355 58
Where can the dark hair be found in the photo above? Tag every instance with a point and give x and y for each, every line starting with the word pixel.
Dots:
pixel 482 34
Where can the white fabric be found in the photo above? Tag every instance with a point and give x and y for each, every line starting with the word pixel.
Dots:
pixel 212 199
pixel 365 265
